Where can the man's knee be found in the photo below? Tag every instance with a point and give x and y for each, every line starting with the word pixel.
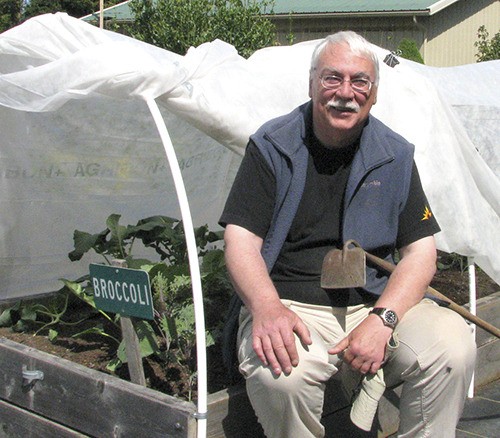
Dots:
pixel 314 369
pixel 459 347
pixel 430 336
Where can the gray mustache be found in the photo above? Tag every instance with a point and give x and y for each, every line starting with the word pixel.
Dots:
pixel 343 106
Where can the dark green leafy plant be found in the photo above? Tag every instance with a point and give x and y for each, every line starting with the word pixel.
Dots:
pixel 408 49
pixel 176 25
pixel 10 13
pixel 171 335
pixel 170 279
pixel 39 315
pixel 488 50
pixel 71 7
pixel 452 261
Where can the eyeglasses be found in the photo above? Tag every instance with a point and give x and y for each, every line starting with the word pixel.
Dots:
pixel 332 82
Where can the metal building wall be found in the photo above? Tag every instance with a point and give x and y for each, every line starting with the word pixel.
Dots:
pixel 444 39
pixel 451 33
pixel 385 32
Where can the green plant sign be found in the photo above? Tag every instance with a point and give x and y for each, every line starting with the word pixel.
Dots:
pixel 122 290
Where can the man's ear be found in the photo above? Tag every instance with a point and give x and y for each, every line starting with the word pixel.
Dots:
pixel 310 86
pixel 375 90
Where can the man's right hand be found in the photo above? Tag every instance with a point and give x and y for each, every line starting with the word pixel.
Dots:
pixel 273 332
pixel 274 325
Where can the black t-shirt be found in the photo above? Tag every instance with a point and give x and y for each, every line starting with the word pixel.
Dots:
pixel 316 228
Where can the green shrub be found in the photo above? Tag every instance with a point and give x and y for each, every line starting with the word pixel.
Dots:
pixel 488 50
pixel 409 50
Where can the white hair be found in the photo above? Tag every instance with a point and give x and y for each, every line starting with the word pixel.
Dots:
pixel 358 45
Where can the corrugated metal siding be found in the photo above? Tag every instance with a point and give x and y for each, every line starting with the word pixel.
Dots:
pixel 382 31
pixel 452 33
pixel 445 38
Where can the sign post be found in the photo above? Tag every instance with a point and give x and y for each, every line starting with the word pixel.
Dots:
pixel 118 289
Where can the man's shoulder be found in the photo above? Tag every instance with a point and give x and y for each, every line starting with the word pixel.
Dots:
pixel 295 119
pixel 386 137
pixel 381 129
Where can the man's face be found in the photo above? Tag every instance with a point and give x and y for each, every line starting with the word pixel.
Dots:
pixel 339 115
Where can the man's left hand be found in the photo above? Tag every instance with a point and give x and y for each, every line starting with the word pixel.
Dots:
pixel 364 348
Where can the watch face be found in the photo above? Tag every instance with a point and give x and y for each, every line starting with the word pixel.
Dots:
pixel 391 317
pixel 388 316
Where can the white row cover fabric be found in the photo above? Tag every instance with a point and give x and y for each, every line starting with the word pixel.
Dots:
pixel 78 142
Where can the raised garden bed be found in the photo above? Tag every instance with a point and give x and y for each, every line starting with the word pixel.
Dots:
pixel 72 400
pixel 77 398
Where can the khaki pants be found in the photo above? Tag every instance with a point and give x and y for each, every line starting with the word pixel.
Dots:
pixel 432 353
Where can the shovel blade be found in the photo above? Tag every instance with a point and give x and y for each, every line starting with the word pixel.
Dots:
pixel 343 268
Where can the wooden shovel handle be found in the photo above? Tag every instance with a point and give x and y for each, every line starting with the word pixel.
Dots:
pixel 389 267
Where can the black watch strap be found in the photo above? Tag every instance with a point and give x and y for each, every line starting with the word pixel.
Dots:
pixel 388 316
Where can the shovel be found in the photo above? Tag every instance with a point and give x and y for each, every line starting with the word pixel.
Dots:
pixel 343 268
pixel 346 268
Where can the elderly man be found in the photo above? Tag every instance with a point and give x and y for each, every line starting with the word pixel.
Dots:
pixel 311 180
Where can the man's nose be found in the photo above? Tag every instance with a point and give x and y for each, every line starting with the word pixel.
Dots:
pixel 345 90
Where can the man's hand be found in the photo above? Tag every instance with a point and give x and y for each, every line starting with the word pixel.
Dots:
pixel 273 337
pixel 274 324
pixel 364 348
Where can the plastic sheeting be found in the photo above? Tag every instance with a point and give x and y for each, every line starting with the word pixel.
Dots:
pixel 78 142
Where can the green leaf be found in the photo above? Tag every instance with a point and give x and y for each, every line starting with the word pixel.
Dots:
pixel 215 236
pixel 117 243
pixel 180 281
pixel 148 342
pixel 213 261
pixel 114 364
pixel 184 320
pixel 6 318
pixel 138 263
pixel 153 222
pixel 77 289
pixel 97 330
pixel 210 340
pixel 84 242
pixel 160 268
pixel 28 313
pixel 53 334
pixel 120 352
pixel 112 221
pixel 165 327
pixel 21 326
pixel 154 228
pixel 118 232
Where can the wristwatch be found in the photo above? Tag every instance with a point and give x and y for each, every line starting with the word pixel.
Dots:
pixel 388 316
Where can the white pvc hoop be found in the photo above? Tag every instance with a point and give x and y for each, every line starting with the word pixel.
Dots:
pixel 473 308
pixel 201 414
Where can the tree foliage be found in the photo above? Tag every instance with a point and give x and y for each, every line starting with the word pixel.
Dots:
pixel 488 50
pixel 10 13
pixel 74 8
pixel 409 50
pixel 176 25
pixel 13 12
